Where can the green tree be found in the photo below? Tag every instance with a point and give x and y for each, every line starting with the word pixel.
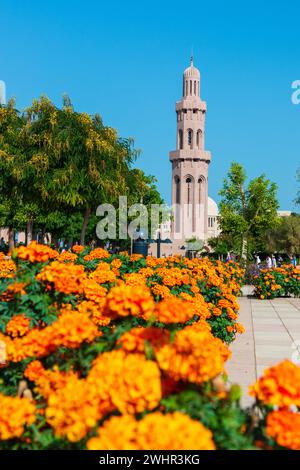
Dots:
pixel 247 210
pixel 58 165
pixel 285 238
pixel 80 163
pixel 13 178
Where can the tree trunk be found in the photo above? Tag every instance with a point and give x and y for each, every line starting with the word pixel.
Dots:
pixel 86 218
pixel 244 248
pixel 29 229
pixel 11 239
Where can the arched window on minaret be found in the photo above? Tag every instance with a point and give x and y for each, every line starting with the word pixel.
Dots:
pixel 199 139
pixel 180 139
pixel 177 183
pixel 195 88
pixel 188 182
pixel 191 87
pixel 177 202
pixel 201 189
pixel 190 138
pixel 190 199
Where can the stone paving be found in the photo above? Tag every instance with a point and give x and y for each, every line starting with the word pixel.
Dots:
pixel 272 333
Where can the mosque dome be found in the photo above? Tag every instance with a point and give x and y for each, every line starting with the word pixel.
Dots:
pixel 212 207
pixel 192 71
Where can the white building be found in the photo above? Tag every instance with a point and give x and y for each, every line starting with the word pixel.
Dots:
pixel 2 92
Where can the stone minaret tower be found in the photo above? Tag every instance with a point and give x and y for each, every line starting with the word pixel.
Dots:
pixel 190 163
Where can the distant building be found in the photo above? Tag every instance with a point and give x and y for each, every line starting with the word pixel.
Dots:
pixel 284 213
pixel 213 229
pixel 2 92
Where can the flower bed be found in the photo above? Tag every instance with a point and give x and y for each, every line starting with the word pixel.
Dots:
pixel 102 352
pixel 277 282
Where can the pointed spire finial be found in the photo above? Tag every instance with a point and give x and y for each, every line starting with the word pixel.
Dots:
pixel 192 57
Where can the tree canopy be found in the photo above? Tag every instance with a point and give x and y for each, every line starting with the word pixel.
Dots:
pixel 285 238
pixel 57 165
pixel 247 210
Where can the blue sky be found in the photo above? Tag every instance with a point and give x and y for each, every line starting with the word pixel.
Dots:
pixel 124 59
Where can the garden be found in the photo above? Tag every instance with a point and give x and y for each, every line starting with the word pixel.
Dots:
pixel 277 282
pixel 102 352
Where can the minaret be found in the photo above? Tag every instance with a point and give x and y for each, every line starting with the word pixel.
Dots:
pixel 190 162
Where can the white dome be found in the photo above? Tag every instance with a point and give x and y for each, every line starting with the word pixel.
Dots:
pixel 191 71
pixel 212 207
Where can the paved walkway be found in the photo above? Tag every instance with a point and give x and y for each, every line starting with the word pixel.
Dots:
pixel 272 328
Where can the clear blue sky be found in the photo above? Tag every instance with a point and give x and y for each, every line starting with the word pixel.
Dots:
pixel 124 59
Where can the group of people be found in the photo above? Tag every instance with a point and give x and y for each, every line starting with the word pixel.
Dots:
pixel 273 262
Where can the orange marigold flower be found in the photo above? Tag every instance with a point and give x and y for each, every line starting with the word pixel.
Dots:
pixel 239 328
pixel 103 274
pixel 65 278
pixel 217 311
pixel 152 262
pixel 127 383
pixel 174 310
pixel 135 279
pixel 77 248
pixel 7 268
pixel 116 263
pixel 36 253
pixel 284 427
pixel 279 386
pixel 130 382
pixel 34 370
pixel 19 325
pixel 67 256
pixel 160 291
pixel 74 409
pixel 46 380
pixel 126 300
pixel 136 339
pixel 195 355
pixel 135 257
pixel 69 330
pixel 95 311
pixel 93 291
pixel 16 413
pixel 97 253
pixel 180 432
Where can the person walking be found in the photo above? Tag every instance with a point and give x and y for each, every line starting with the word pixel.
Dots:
pixel 274 262
pixel 257 261
pixel 269 262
